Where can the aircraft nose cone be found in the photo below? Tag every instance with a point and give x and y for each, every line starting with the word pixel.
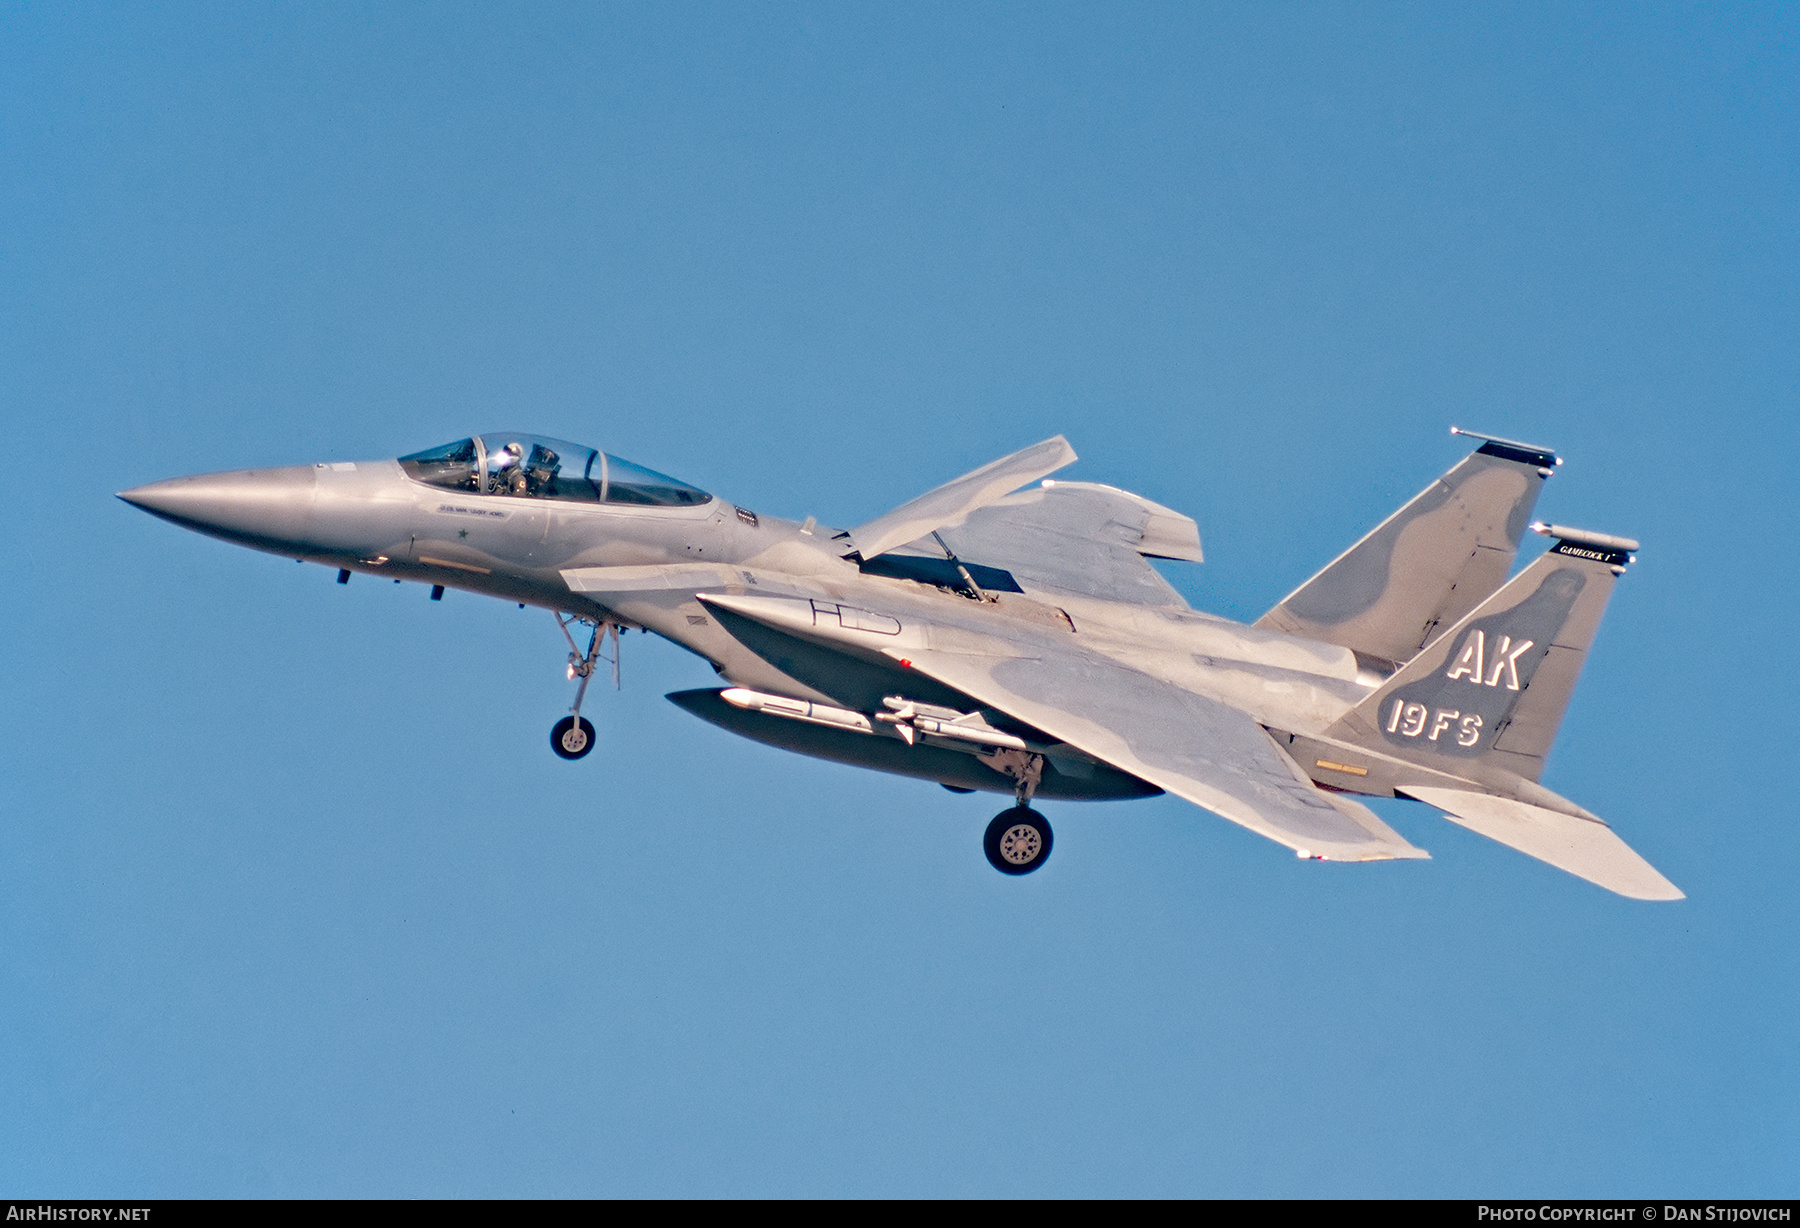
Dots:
pixel 259 507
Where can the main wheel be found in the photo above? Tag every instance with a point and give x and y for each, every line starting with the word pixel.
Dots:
pixel 1017 841
pixel 571 738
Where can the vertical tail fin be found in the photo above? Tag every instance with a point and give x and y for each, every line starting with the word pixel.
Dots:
pixel 1428 564
pixel 1494 688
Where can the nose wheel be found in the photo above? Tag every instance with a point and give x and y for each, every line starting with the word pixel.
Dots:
pixel 1017 841
pixel 572 737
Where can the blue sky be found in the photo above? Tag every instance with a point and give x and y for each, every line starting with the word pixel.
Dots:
pixel 294 898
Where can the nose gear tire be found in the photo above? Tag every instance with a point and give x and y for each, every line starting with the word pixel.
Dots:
pixel 1017 841
pixel 572 737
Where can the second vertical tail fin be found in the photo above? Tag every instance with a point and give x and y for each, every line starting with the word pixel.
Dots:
pixel 1494 688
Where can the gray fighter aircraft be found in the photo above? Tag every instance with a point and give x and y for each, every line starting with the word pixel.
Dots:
pixel 1006 632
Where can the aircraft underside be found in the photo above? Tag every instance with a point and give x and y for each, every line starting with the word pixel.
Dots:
pixel 957 769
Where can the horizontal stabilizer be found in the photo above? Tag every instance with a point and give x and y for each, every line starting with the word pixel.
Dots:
pixel 1583 847
pixel 950 504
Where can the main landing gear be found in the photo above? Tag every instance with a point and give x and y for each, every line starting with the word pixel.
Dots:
pixel 573 736
pixel 1018 840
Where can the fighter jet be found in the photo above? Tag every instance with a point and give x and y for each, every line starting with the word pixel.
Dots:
pixel 1007 632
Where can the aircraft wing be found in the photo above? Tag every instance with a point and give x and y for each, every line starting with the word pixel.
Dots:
pixel 1080 538
pixel 950 504
pixel 1196 748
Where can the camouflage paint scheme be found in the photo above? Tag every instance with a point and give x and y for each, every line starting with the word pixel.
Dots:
pixel 1006 632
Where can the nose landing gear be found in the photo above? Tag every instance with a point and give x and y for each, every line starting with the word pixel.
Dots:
pixel 573 736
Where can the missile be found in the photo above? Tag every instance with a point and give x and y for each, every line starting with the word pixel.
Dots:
pixel 905 720
pixel 796 709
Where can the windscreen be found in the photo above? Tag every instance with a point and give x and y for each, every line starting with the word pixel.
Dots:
pixel 454 466
pixel 534 467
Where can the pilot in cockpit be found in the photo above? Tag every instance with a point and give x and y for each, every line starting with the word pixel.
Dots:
pixel 505 472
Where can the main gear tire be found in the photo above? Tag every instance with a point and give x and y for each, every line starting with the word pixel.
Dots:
pixel 1017 841
pixel 572 737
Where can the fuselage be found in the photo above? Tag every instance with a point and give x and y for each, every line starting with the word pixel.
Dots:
pixel 513 536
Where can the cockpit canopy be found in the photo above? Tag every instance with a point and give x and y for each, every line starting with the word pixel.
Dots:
pixel 533 467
